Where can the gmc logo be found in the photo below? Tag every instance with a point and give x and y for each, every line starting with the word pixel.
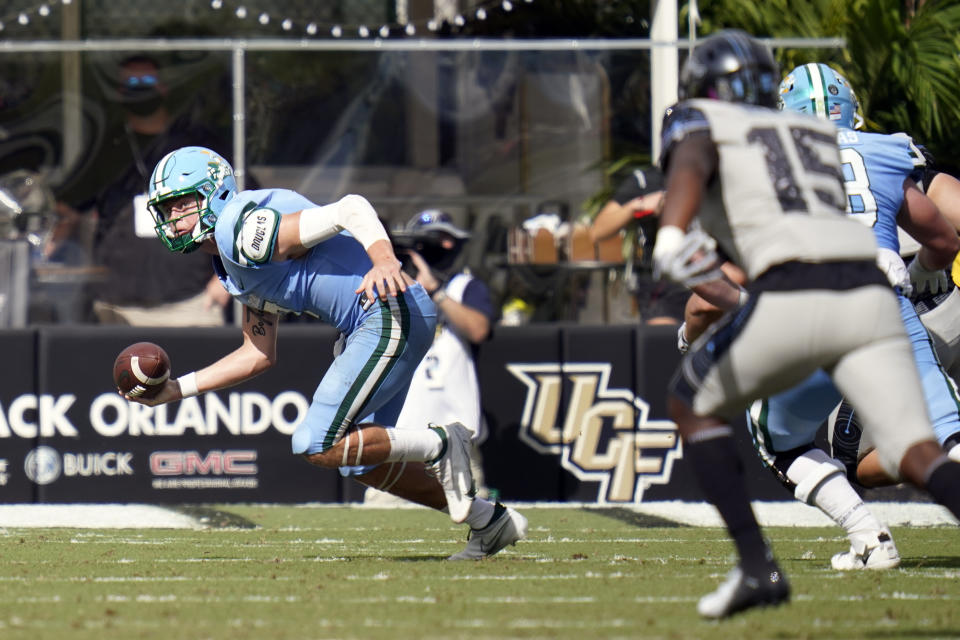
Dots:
pixel 237 462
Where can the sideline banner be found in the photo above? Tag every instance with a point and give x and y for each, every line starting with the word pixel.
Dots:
pixel 576 413
pixel 580 414
pixel 231 445
pixel 18 417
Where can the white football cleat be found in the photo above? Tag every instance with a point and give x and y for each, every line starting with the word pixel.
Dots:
pixel 506 527
pixel 875 550
pixel 453 469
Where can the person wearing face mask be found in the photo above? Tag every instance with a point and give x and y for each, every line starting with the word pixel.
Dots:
pixel 445 383
pixel 146 285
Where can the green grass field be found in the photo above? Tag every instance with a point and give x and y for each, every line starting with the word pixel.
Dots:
pixel 341 572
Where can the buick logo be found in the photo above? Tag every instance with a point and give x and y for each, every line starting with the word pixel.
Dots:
pixel 42 465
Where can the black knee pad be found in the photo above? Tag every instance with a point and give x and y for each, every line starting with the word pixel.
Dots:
pixel 845 443
pixel 783 461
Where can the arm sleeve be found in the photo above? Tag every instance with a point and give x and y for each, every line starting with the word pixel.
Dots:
pixel 352 213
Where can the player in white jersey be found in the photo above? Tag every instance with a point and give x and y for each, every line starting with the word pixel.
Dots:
pixel 766 185
pixel 275 251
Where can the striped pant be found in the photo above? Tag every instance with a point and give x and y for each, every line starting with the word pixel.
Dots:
pixel 368 380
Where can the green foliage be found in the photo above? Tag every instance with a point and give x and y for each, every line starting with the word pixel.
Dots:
pixel 905 68
pixel 342 572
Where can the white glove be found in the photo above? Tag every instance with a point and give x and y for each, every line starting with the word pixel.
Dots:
pixel 954 453
pixel 893 267
pixel 682 344
pixel 925 281
pixel 688 258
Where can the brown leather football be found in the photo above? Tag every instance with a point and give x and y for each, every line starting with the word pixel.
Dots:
pixel 141 369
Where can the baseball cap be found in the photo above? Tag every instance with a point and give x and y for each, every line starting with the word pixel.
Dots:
pixel 648 179
pixel 436 220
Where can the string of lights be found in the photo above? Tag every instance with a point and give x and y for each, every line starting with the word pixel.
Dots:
pixel 404 28
pixel 293 25
pixel 24 17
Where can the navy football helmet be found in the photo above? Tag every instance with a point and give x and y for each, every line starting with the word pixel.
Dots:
pixel 731 66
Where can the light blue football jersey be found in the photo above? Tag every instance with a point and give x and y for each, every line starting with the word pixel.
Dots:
pixel 321 284
pixel 874 167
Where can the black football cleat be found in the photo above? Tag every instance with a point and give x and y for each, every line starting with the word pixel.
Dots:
pixel 740 592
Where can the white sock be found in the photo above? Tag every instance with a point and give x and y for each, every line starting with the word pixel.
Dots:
pixel 837 499
pixel 413 445
pixel 823 485
pixel 480 513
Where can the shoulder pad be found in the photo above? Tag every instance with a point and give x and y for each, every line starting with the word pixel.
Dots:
pixel 681 122
pixel 257 234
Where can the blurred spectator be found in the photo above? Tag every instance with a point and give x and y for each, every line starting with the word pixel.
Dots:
pixel 444 387
pixel 146 284
pixel 636 202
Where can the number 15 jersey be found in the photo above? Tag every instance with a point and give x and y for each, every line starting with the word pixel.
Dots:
pixel 779 194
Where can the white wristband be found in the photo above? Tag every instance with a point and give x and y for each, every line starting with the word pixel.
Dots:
pixel 188 385
pixel 742 297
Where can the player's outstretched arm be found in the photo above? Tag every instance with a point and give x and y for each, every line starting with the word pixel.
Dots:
pixel 256 354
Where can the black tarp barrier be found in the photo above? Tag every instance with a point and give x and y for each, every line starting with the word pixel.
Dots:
pixel 576 413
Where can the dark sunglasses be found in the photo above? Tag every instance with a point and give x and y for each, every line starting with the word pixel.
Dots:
pixel 135 82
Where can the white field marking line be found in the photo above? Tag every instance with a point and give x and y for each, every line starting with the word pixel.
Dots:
pixel 51 599
pixel 553 623
pixel 390 600
pixel 531 623
pixel 146 598
pixel 207 542
pixel 140 579
pixel 139 516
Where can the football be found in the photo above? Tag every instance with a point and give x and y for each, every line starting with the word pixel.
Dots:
pixel 141 369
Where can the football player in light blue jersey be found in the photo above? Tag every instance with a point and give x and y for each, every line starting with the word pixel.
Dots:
pixel 880 193
pixel 277 252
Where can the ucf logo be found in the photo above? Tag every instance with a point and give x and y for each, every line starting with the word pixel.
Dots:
pixel 602 434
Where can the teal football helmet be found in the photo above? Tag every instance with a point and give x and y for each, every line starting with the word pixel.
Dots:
pixel 818 90
pixel 196 171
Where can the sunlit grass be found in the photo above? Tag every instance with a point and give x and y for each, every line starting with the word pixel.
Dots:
pixel 341 572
